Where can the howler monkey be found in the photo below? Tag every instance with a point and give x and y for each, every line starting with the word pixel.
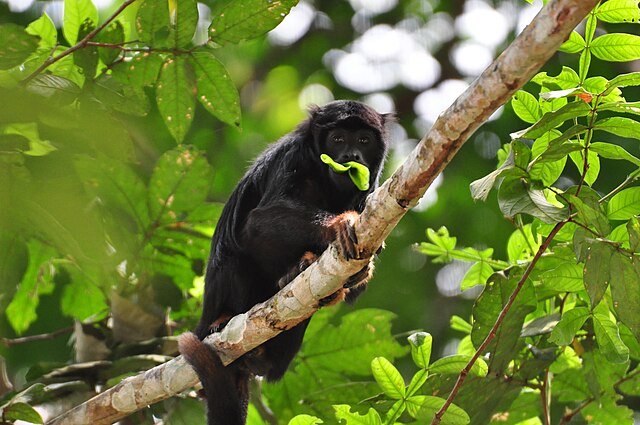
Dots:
pixel 284 212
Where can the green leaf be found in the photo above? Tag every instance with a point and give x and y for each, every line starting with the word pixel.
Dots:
pixel 180 182
pixel 559 151
pixel 584 63
pixel 525 105
pixel 117 186
pixel 515 197
pixel 495 295
pixel 44 28
pixel 237 20
pixel 625 291
pixel 111 34
pixel 567 277
pixel 420 343
pixel 82 299
pixel 37 280
pixel 388 378
pixel 567 79
pixel 87 57
pixel 520 244
pixel 184 411
pixel 570 323
pixel 21 412
pixel 460 325
pixel 343 412
pixel 305 420
pixel 184 22
pixel 575 43
pixel 358 173
pixel 619 11
pixel 455 363
pixel 16 45
pixel 175 96
pixel 620 126
pixel 540 326
pixel 608 339
pixel 611 151
pixel 177 267
pixel 624 204
pixel 591 215
pixel 633 227
pixel 141 70
pixel 442 245
pixel 429 405
pixel 621 107
pixel 216 91
pixel 597 270
pixel 476 275
pixel 623 80
pixel 121 97
pixel 417 381
pixel 152 22
pixel 606 411
pixel 75 14
pixel 616 47
pixel 480 188
pixel 52 86
pixel 396 410
pixel 593 161
pixel 551 120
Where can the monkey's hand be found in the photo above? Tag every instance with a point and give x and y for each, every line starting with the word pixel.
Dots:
pixel 345 235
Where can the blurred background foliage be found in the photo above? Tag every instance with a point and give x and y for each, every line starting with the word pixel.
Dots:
pixel 411 57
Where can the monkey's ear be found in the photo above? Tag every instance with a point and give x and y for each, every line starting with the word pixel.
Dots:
pixel 389 117
pixel 313 110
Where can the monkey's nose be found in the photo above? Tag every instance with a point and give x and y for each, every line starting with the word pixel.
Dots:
pixel 351 156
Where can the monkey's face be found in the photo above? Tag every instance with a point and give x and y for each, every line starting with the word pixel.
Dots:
pixel 360 144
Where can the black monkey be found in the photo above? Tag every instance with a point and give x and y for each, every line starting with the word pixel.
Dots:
pixel 287 209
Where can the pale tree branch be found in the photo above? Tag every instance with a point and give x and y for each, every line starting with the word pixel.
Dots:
pixel 386 206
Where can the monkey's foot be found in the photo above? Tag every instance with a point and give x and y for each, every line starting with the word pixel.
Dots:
pixel 333 299
pixel 361 277
pixel 305 261
pixel 255 362
pixel 219 323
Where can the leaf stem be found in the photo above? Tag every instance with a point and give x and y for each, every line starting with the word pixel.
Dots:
pixel 630 179
pixel 79 45
pixel 492 333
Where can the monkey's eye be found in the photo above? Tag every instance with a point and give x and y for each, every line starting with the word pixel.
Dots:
pixel 337 139
pixel 363 140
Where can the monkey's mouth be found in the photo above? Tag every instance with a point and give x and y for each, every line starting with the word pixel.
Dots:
pixel 357 172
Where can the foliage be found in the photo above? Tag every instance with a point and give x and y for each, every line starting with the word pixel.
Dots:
pixel 114 222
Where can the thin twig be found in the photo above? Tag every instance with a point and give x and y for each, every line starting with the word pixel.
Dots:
pixel 8 342
pixel 630 179
pixel 144 49
pixel 545 395
pixel 492 333
pixel 79 45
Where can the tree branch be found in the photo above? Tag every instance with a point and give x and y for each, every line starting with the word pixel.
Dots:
pixel 386 206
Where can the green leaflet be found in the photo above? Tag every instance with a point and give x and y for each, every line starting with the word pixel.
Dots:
pixel 358 173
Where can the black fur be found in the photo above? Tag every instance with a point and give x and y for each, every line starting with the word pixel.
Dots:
pixel 288 206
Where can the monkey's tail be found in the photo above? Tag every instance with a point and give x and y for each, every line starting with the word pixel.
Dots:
pixel 226 388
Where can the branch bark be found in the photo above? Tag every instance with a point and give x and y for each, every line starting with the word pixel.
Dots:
pixel 299 300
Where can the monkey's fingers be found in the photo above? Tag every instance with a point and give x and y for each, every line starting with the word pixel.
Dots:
pixel 362 276
pixel 306 260
pixel 332 299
